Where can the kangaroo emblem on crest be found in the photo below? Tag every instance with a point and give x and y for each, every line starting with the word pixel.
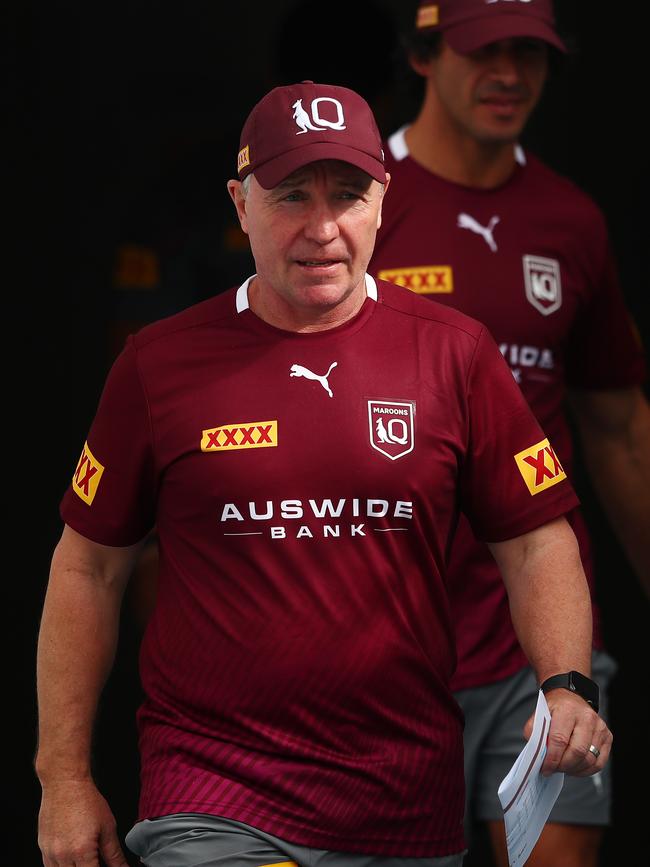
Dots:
pixel 299 370
pixel 382 433
pixel 385 437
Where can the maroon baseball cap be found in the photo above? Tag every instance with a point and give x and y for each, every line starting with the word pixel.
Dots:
pixel 471 24
pixel 298 124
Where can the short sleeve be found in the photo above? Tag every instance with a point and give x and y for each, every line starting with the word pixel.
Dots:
pixel 604 348
pixel 511 478
pixel 111 497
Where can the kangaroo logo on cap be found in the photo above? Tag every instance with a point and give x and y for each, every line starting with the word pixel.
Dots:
pixel 306 123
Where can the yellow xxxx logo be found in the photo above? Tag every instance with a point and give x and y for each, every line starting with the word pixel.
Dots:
pixel 87 476
pixel 540 467
pixel 424 280
pixel 244 435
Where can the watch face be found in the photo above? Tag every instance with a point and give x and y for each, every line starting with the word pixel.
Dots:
pixel 585 688
pixel 575 682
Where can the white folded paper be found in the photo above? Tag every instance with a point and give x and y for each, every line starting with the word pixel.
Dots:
pixel 526 796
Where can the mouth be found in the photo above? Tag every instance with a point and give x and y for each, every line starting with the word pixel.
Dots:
pixel 501 102
pixel 317 263
pixel 506 111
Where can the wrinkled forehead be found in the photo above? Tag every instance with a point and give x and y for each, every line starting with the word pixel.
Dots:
pixel 336 171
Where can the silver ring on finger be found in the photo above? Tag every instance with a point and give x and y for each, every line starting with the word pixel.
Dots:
pixel 594 749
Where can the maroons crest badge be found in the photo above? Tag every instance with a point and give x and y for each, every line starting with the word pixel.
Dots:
pixel 391 427
pixel 543 283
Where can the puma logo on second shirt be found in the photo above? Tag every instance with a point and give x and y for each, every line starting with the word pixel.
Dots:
pixel 466 221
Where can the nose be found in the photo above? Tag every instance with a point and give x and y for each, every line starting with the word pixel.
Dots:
pixel 505 66
pixel 321 225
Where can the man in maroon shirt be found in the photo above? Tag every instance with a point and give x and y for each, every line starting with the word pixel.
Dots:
pixel 475 223
pixel 304 444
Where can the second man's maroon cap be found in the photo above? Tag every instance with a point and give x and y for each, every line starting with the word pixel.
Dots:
pixel 470 24
pixel 298 124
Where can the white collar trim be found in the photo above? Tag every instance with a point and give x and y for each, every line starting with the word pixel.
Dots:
pixel 241 300
pixel 397 144
pixel 400 150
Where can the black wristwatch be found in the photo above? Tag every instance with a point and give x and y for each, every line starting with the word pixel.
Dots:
pixel 575 682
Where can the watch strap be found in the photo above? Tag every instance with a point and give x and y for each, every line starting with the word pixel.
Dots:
pixel 576 682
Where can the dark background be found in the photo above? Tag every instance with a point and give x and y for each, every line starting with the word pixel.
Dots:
pixel 125 123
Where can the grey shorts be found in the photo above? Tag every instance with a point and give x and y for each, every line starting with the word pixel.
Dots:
pixel 199 840
pixel 494 720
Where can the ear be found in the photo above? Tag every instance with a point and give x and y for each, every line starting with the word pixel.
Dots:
pixel 420 65
pixel 381 203
pixel 239 200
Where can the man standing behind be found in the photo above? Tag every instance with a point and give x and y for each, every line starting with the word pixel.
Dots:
pixel 474 222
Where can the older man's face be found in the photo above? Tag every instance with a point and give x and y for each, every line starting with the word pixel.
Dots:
pixel 312 238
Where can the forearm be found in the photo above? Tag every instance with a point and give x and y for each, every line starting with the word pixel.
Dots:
pixel 551 612
pixel 621 478
pixel 549 599
pixel 76 648
pixel 616 449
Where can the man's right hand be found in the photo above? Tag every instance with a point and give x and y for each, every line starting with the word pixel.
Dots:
pixel 76 827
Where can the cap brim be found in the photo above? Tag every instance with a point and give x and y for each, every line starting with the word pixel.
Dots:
pixel 472 35
pixel 274 171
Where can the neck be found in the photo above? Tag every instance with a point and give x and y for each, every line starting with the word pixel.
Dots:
pixel 454 154
pixel 275 310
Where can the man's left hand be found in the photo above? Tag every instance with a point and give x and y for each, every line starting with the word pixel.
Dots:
pixel 579 741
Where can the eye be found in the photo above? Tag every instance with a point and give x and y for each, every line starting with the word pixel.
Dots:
pixel 294 196
pixel 530 47
pixel 353 194
pixel 486 52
